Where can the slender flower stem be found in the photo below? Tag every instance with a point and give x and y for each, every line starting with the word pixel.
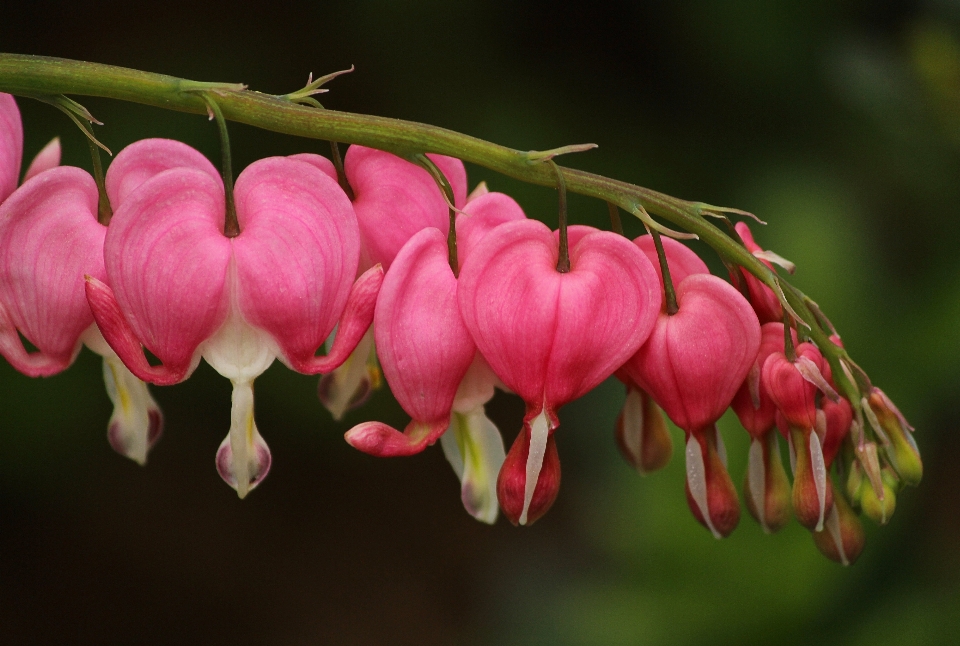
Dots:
pixel 104 212
pixel 669 293
pixel 615 222
pixel 231 226
pixel 563 261
pixel 341 174
pixel 37 75
pixel 447 189
pixel 788 348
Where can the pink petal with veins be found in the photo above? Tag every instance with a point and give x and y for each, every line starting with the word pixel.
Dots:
pixel 166 259
pixel 395 198
pixel 296 255
pixel 146 158
pixel 11 145
pixel 49 239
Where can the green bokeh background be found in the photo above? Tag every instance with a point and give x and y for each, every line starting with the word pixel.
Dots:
pixel 836 122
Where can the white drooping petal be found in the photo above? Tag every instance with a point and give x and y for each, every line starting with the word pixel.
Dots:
pixel 474 448
pixel 697 482
pixel 136 422
pixel 539 433
pixel 757 481
pixel 819 468
pixel 633 423
pixel 351 383
pixel 243 458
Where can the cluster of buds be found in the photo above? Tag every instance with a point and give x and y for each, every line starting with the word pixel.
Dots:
pixel 448 297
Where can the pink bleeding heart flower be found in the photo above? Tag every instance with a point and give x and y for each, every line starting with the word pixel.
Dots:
pixel 766 489
pixel 431 362
pixel 393 200
pixel 49 240
pixel 692 365
pixel 792 386
pixel 176 285
pixel 552 336
pixel 11 149
pixel 641 431
pixel 764 301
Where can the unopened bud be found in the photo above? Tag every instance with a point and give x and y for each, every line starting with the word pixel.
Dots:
pixel 812 495
pixel 641 432
pixel 526 490
pixel 842 538
pixel 710 492
pixel 902 451
pixel 766 488
pixel 880 508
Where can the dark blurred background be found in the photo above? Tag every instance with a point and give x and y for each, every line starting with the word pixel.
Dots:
pixel 837 122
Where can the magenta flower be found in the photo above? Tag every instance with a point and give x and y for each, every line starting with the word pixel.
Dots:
pixel 393 200
pixel 551 336
pixel 176 285
pixel 430 360
pixel 692 365
pixel 641 432
pixel 49 240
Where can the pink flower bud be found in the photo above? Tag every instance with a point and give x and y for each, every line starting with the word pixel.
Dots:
pixel 792 385
pixel 764 301
pixel 522 503
pixel 753 406
pixel 766 488
pixel 711 495
pixel 842 538
pixel 812 495
pixel 695 360
pixel 901 448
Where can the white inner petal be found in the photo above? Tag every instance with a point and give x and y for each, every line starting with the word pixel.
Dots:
pixel 539 432
pixel 239 351
pixel 757 481
pixel 819 469
pixel 450 442
pixel 697 482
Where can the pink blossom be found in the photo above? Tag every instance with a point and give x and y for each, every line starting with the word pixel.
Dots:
pixel 11 149
pixel 551 336
pixel 176 285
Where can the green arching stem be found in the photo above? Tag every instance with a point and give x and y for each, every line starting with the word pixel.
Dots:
pixel 670 295
pixel 33 75
pixel 788 348
pixel 231 226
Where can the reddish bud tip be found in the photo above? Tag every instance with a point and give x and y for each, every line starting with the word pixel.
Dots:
pixel 766 488
pixel 812 495
pixel 512 481
pixel 842 538
pixel 710 492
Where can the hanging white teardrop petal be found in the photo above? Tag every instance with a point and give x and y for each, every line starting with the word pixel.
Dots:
pixel 819 469
pixel 697 482
pixel 243 459
pixel 539 432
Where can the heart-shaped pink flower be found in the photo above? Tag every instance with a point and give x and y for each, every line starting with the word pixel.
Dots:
pixel 182 289
pixel 551 336
pixel 692 365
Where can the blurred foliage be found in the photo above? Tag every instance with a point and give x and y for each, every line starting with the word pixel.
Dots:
pixel 837 123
